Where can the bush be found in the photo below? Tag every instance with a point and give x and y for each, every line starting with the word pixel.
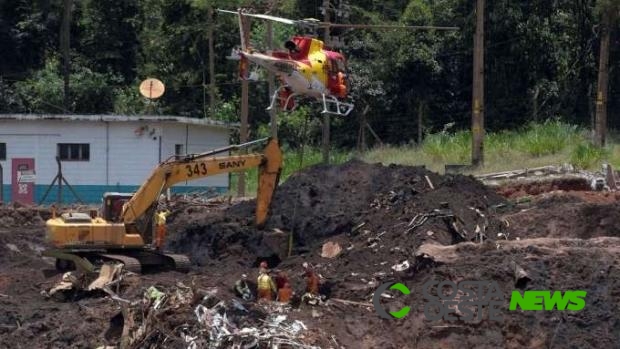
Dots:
pixel 587 156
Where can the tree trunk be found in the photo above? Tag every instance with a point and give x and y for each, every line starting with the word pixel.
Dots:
pixel 65 35
pixel 603 79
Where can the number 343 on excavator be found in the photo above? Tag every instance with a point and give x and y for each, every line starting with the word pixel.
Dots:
pixel 122 230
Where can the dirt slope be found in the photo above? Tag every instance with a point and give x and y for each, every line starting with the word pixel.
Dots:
pixel 566 242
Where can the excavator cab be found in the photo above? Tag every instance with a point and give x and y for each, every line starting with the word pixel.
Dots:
pixel 113 205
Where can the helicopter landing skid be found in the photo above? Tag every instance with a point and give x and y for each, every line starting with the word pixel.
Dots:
pixel 342 108
pixel 338 107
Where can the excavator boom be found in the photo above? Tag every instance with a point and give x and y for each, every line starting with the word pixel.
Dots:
pixel 194 167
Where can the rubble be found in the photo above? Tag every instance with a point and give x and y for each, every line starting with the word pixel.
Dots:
pixel 558 240
pixel 330 249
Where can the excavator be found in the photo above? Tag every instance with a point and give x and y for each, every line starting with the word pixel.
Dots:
pixel 122 229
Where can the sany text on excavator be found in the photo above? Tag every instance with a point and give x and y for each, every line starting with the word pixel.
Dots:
pixel 122 231
pixel 307 68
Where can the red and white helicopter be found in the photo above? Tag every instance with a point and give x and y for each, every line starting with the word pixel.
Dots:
pixel 307 68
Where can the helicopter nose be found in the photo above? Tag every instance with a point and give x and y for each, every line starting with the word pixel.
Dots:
pixel 343 85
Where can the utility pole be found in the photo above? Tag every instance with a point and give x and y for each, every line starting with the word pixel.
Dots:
pixel 211 64
pixel 603 77
pixel 477 125
pixel 273 119
pixel 326 115
pixel 243 132
pixel 421 107
pixel 65 36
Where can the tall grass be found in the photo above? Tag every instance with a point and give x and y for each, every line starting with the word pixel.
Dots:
pixel 536 144
pixel 550 137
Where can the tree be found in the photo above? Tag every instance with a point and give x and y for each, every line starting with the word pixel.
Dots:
pixel 608 10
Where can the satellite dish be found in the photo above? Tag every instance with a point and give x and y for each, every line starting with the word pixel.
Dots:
pixel 152 88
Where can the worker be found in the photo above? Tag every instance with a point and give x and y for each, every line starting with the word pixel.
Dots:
pixel 242 289
pixel 160 219
pixel 265 285
pixel 281 279
pixel 312 285
pixel 285 293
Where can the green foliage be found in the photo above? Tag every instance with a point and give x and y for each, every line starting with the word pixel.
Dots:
pixel 295 128
pixel 538 144
pixel 448 147
pixel 550 137
pixel 128 101
pixel 588 156
pixel 90 92
pixel 541 63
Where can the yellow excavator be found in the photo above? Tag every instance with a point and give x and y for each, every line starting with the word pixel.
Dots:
pixel 122 230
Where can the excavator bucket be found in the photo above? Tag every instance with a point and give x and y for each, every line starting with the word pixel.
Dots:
pixel 268 178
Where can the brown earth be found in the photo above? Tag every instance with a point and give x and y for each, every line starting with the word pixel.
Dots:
pixel 566 241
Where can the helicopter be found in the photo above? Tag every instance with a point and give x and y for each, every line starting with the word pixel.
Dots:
pixel 307 68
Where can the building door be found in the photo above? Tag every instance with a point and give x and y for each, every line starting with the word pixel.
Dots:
pixel 22 180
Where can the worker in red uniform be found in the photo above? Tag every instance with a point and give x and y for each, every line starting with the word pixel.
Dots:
pixel 281 279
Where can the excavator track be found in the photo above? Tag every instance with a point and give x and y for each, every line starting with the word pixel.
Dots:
pixel 130 263
pixel 181 262
pixel 135 260
pixel 140 261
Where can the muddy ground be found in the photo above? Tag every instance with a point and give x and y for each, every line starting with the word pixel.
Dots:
pixel 564 240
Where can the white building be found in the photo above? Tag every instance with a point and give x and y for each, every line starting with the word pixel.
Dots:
pixel 99 153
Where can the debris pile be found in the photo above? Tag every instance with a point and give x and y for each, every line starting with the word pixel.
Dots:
pixel 187 317
pixel 371 201
pixel 356 226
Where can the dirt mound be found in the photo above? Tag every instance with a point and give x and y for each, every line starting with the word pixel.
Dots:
pixel 324 201
pixel 566 216
pixel 381 218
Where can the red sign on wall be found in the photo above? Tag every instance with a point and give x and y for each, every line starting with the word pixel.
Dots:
pixel 22 180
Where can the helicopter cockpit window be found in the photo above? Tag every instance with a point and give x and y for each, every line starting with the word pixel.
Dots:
pixel 336 66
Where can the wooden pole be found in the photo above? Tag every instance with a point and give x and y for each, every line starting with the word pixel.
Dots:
pixel 603 79
pixel 65 37
pixel 273 118
pixel 211 64
pixel 326 115
pixel 477 152
pixel 243 132
pixel 420 114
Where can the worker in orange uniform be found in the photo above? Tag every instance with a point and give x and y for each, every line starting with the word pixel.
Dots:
pixel 265 285
pixel 285 293
pixel 312 285
pixel 281 279
pixel 160 220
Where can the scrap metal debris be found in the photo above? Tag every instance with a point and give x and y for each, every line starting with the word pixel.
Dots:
pixel 168 317
pixel 109 274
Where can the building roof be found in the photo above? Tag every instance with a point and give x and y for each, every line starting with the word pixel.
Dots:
pixel 122 118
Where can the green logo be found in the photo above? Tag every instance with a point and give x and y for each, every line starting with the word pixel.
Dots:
pixel 376 300
pixel 544 300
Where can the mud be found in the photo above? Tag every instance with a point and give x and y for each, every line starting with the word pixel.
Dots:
pixel 566 241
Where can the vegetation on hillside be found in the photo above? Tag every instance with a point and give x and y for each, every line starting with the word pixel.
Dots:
pixel 541 63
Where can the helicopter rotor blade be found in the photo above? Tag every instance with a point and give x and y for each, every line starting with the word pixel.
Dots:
pixel 313 23
pixel 261 16
pixel 383 26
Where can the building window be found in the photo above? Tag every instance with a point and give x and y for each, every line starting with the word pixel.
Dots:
pixel 178 151
pixel 74 151
pixel 2 151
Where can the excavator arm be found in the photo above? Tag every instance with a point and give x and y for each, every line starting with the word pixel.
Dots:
pixel 192 167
